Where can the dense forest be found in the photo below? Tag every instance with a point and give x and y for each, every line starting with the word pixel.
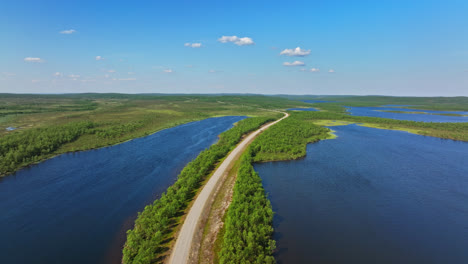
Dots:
pixel 248 226
pixel 153 226
pixel 287 140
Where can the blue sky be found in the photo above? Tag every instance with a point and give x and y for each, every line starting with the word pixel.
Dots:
pixel 415 48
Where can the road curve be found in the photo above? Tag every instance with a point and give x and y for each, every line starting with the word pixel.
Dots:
pixel 181 251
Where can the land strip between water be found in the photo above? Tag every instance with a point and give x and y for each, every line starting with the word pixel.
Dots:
pixel 181 252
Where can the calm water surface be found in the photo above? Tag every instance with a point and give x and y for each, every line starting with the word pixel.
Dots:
pixel 372 196
pixel 75 208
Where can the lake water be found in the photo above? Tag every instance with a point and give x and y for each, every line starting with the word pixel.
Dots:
pixel 76 208
pixel 371 196
pixel 430 115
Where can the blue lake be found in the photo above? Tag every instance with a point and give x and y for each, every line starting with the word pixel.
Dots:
pixel 76 208
pixel 425 116
pixel 371 196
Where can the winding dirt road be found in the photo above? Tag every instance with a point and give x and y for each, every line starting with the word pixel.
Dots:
pixel 181 251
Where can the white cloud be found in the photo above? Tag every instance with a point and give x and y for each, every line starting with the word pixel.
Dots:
pixel 74 76
pixel 32 59
pixel 236 40
pixel 314 70
pixel 193 45
pixel 294 63
pixel 126 79
pixel 58 74
pixel 130 73
pixel 211 71
pixel 99 58
pixel 35 81
pixel 168 71
pixel 68 31
pixel 331 70
pixel 297 52
pixel 8 74
pixel 111 71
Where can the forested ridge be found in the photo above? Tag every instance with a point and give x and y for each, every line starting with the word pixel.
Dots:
pixel 146 241
pixel 248 224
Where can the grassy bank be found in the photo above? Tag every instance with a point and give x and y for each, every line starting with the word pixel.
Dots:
pixel 148 241
pixel 455 131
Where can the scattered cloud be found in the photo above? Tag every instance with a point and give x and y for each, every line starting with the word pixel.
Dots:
pixel 68 31
pixel 58 74
pixel 98 58
pixel 130 73
pixel 32 59
pixel 35 81
pixel 236 40
pixel 314 70
pixel 193 45
pixel 212 71
pixel 294 63
pixel 189 66
pixel 297 52
pixel 111 71
pixel 331 71
pixel 74 76
pixel 168 71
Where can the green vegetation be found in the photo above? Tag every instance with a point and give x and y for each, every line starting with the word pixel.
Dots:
pixel 114 118
pixel 456 131
pixel 286 140
pixel 247 234
pixel 153 227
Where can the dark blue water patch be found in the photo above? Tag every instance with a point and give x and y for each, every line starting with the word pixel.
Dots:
pixel 303 109
pixel 371 196
pixel 425 116
pixel 76 208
